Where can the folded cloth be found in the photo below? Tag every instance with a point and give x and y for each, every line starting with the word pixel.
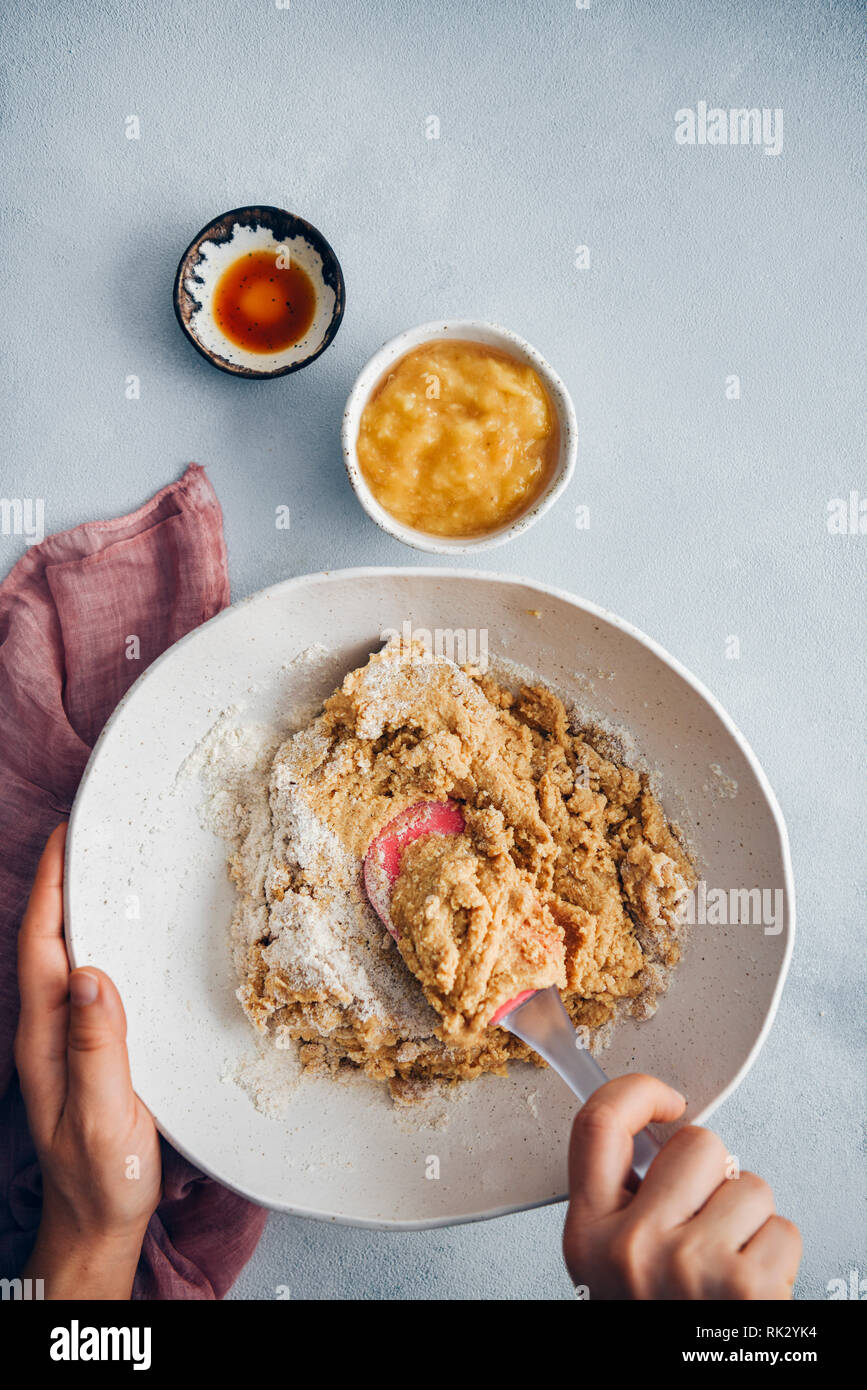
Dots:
pixel 69 611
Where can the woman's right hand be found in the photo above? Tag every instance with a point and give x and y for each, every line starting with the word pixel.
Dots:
pixel 689 1231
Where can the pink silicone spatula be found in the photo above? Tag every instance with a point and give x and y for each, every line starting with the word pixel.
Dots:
pixel 536 1016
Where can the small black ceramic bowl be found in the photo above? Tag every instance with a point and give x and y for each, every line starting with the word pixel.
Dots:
pixel 223 242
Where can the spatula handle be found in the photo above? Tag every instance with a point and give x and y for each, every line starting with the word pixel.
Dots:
pixel 544 1025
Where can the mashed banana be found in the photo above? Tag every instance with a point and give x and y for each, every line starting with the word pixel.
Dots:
pixel 458 440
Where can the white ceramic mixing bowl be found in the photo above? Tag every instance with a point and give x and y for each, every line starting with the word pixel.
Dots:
pixel 148 899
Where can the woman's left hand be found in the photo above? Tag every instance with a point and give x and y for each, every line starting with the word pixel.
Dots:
pixel 97 1144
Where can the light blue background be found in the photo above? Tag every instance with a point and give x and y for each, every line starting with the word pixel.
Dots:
pixel 708 516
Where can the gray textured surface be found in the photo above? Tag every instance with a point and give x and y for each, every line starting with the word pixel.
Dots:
pixel 708 516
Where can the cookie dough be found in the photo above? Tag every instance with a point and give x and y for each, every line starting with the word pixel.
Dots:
pixel 471 927
pixel 567 872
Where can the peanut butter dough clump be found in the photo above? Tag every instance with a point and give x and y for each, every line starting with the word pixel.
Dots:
pixel 472 928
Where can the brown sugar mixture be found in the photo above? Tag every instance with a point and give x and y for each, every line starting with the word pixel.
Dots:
pixel 567 872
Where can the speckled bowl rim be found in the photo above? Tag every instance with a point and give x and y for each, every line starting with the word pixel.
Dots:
pixel 324 577
pixel 395 348
pixel 302 228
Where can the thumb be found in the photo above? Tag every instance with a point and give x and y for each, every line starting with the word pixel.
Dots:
pixel 99 1084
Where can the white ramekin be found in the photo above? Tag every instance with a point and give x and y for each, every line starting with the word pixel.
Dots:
pixel 492 335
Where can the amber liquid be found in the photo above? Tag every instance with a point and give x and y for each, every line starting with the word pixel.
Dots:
pixel 260 306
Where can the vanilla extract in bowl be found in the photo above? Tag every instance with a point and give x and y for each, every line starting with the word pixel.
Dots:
pixel 264 301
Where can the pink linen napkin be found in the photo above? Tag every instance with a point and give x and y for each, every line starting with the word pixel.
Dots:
pixel 66 611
